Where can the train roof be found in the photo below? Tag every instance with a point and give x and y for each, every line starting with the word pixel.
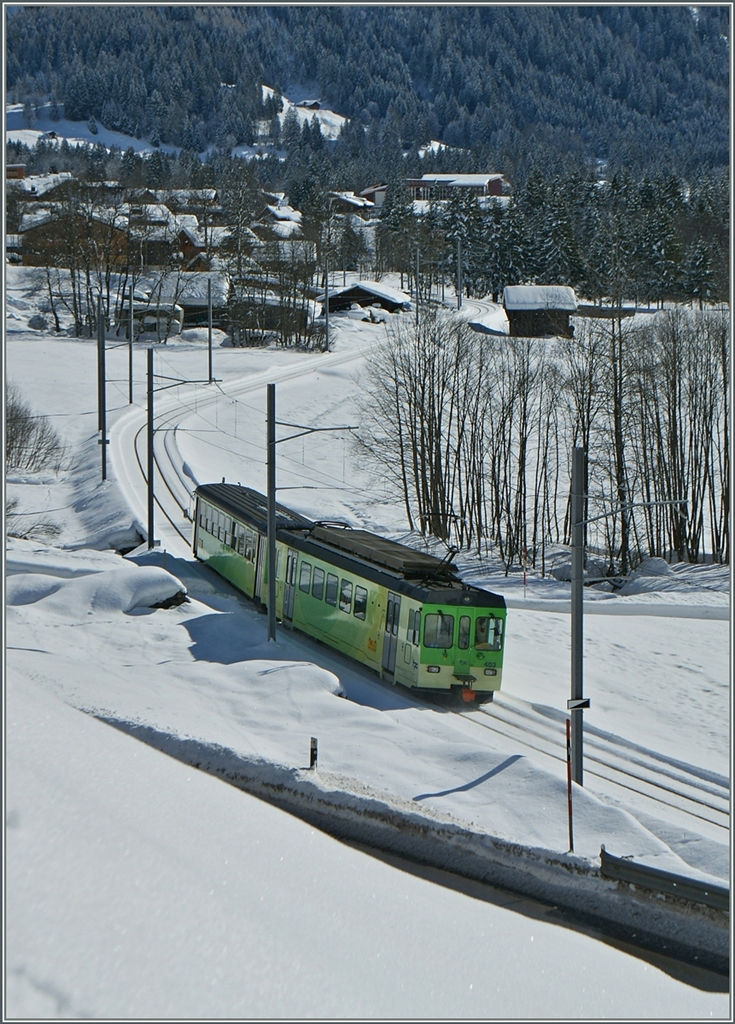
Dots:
pixel 388 554
pixel 424 577
pixel 430 586
pixel 251 506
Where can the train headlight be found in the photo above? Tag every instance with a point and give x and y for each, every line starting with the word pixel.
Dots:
pixel 432 668
pixel 491 671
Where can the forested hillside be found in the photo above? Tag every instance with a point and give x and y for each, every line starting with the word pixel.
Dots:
pixel 643 88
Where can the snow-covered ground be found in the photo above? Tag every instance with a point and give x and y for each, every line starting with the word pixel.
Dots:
pixel 329 122
pixel 76 133
pixel 140 887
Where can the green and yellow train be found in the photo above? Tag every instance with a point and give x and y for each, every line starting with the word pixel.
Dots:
pixel 405 614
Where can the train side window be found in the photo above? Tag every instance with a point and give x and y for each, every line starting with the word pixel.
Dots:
pixel 305 577
pixel 332 584
pixel 317 587
pixel 488 633
pixel 345 597
pixel 360 602
pixel 411 620
pixel 463 640
pixel 417 628
pixel 439 630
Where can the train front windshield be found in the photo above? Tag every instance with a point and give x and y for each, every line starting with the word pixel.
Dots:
pixel 488 633
pixel 439 631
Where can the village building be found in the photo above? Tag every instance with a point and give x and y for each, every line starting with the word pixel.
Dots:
pixel 433 187
pixel 191 291
pixel 349 203
pixel 365 293
pixel 55 236
pixel 536 311
pixel 48 187
pixel 280 221
pixel 375 194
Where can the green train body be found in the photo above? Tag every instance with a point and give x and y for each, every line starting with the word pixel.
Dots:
pixel 400 612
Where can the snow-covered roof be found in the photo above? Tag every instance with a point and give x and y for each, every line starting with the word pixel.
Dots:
pixel 34 217
pixel 284 212
pixel 374 188
pixel 192 233
pixel 39 184
pixel 380 291
pixel 353 200
pixel 461 180
pixel 537 296
pixel 152 213
pixel 185 196
pixel 190 288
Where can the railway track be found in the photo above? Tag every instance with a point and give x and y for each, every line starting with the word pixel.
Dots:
pixel 615 767
pixel 193 400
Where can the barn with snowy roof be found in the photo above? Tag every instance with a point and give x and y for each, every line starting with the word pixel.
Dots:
pixel 366 293
pixel 537 311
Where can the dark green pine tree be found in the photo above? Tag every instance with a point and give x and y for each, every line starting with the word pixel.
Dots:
pixel 698 277
pixel 396 233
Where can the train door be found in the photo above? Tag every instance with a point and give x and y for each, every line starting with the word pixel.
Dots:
pixel 259 568
pixel 390 637
pixel 289 585
pixel 463 653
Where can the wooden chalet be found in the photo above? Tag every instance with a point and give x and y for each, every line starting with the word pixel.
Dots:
pixel 348 202
pixel 54 237
pixel 366 293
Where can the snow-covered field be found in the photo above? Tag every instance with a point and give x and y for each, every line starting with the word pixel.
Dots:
pixel 76 133
pixel 140 887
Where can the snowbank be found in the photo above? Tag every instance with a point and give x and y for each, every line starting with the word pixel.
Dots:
pixel 125 590
pixel 138 888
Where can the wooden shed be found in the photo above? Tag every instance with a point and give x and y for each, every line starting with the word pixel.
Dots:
pixel 537 311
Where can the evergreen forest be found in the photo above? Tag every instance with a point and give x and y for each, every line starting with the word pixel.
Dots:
pixel 644 89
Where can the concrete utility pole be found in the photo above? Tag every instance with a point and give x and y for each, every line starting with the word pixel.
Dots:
pixel 271 466
pixel 209 321
pixel 131 333
pixel 150 449
pixel 101 386
pixel 326 304
pixel 577 703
